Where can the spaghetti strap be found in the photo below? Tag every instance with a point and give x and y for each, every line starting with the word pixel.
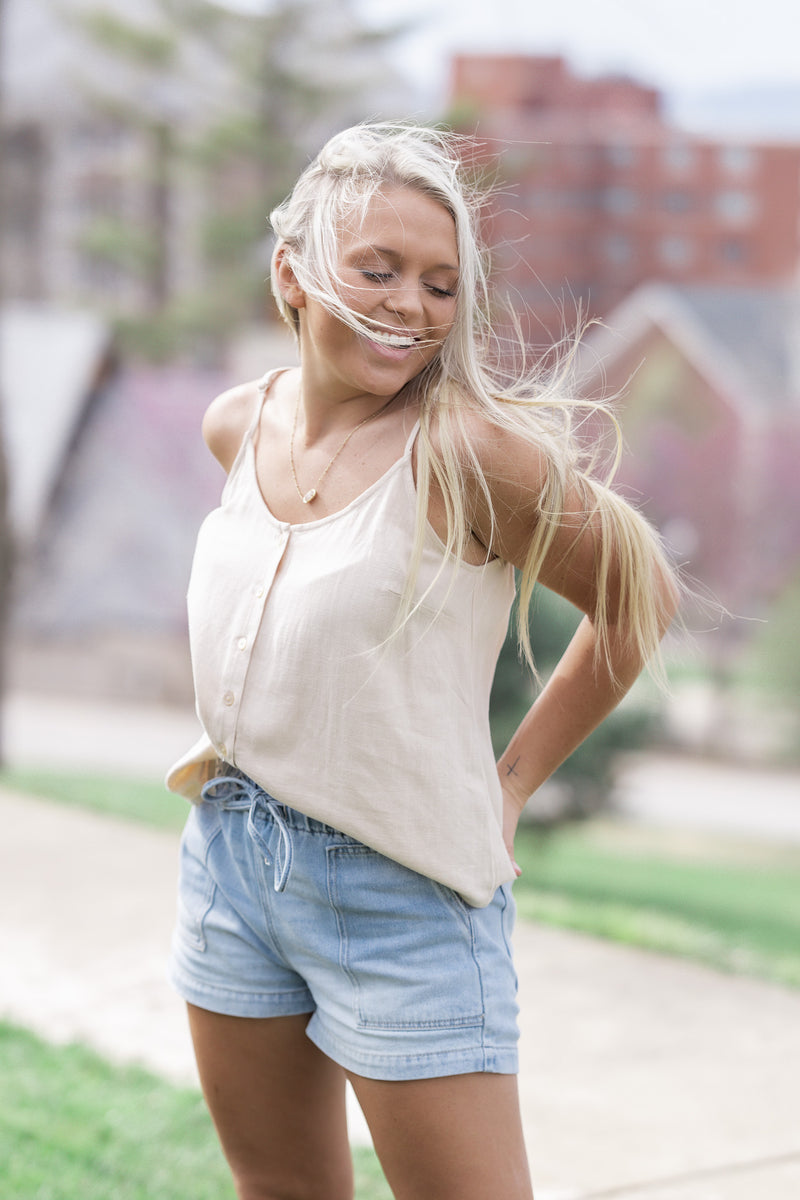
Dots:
pixel 266 379
pixel 412 438
pixel 263 388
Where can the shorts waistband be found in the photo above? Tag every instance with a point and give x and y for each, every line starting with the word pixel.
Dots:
pixel 232 790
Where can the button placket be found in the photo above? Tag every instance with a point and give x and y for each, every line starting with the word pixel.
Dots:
pixel 250 612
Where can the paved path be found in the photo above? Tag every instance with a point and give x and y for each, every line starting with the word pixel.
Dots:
pixel 693 794
pixel 644 1078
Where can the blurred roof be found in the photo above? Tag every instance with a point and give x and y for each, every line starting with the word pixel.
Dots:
pixel 760 328
pixel 115 549
pixel 50 361
pixel 747 339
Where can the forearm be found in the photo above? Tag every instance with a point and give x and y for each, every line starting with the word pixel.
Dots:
pixel 579 695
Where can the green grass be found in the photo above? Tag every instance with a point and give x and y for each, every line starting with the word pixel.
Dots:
pixel 74 1128
pixel 142 800
pixel 733 905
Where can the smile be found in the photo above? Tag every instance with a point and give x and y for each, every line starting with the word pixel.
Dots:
pixel 394 340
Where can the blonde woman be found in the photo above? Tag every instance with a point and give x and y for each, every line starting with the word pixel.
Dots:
pixel 345 896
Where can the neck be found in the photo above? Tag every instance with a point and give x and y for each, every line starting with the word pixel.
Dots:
pixel 318 418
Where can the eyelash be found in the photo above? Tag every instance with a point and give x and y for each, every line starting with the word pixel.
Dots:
pixel 384 277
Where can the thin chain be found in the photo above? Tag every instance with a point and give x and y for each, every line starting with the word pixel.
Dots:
pixel 312 493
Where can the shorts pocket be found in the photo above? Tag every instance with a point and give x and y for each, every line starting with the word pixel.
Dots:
pixel 196 886
pixel 407 944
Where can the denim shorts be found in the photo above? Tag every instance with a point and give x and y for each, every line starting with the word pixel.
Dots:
pixel 279 915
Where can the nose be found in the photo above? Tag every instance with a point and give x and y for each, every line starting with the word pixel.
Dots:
pixel 405 300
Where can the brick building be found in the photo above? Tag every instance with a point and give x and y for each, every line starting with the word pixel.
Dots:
pixel 601 194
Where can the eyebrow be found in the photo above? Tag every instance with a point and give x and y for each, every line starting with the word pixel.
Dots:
pixel 390 253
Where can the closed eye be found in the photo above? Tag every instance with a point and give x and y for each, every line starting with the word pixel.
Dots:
pixel 385 277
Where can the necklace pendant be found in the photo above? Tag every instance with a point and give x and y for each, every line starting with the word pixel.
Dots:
pixel 310 495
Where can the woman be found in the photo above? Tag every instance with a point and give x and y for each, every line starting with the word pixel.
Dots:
pixel 345 903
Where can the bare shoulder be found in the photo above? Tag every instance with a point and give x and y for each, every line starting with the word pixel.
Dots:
pixel 227 420
pixel 506 472
pixel 508 458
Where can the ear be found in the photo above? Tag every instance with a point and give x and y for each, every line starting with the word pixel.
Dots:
pixel 288 286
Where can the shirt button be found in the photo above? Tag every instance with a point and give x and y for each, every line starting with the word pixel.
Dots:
pixel 228 698
pixel 259 591
pixel 242 643
pixel 222 750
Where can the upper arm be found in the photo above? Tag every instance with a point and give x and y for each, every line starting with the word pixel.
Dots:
pixel 227 420
pixel 579 536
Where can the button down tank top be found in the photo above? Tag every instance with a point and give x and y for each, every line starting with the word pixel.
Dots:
pixel 304 681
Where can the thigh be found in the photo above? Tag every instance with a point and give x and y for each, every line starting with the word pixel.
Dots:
pixel 457 1137
pixel 278 1104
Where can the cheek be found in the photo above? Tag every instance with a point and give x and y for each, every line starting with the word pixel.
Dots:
pixel 446 324
pixel 357 297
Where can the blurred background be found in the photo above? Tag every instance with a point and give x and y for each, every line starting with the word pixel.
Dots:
pixel 647 156
pixel 648 173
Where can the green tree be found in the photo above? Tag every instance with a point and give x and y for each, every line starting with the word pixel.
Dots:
pixel 231 105
pixel 139 95
pixel 587 776
pixel 770 663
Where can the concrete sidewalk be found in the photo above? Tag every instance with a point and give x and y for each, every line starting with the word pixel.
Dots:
pixel 643 1077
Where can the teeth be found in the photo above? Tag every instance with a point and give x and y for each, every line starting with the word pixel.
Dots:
pixel 397 341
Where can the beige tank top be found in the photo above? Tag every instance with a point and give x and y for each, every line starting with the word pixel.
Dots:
pixel 300 683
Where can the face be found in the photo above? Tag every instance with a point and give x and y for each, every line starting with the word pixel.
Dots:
pixel 398 272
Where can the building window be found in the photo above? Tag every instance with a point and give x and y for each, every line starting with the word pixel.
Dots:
pixel 620 155
pixel 737 160
pixel 675 251
pixel 676 200
pixel 678 156
pixel 735 206
pixel 619 200
pixel 580 199
pixel 733 251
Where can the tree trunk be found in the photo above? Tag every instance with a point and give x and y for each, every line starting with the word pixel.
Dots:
pixel 6 541
pixel 161 214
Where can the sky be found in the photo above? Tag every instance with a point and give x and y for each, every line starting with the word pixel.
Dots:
pixel 677 45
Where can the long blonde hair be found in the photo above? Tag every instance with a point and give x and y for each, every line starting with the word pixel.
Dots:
pixel 474 372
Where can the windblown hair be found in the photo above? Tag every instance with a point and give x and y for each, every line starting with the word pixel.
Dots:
pixel 475 373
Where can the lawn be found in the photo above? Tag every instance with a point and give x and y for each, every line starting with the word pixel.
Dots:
pixel 72 1127
pixel 144 800
pixel 733 904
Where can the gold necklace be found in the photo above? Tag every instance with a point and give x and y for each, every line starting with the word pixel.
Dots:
pixel 312 493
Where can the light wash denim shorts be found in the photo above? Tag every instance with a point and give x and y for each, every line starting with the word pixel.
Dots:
pixel 279 915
